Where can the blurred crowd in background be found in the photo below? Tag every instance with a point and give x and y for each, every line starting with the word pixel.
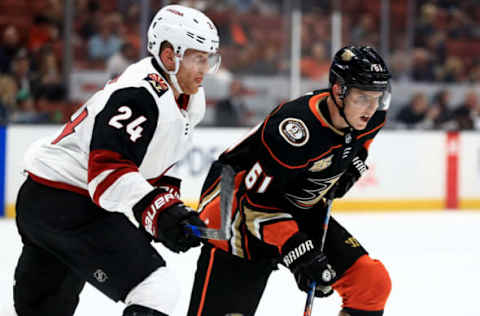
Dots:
pixel 255 41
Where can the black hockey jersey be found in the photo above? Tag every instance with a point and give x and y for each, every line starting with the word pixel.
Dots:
pixel 284 168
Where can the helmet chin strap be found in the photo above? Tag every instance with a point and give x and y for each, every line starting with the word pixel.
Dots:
pixel 341 109
pixel 172 74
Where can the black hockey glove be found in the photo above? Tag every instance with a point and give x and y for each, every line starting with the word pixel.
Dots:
pixel 348 179
pixel 164 217
pixel 308 264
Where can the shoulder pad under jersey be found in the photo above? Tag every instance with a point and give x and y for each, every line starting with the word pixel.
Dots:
pixel 292 135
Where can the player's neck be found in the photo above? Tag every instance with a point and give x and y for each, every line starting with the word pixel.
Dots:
pixel 337 119
pixel 175 92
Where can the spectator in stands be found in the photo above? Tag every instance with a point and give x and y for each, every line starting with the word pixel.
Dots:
pixel 20 72
pixel 466 114
pixel 425 25
pixel 42 32
pixel 25 111
pixel 106 43
pixel 454 70
pixel 417 114
pixel 8 94
pixel 90 17
pixel 422 67
pixel 365 32
pixel 121 60
pixel 316 65
pixel 50 91
pixel 232 111
pixel 266 61
pixel 9 47
pixel 400 66
pixel 436 45
pixel 441 101
pixel 460 26
pixel 474 71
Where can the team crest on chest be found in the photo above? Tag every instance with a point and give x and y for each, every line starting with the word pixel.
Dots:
pixel 321 164
pixel 158 83
pixel 294 131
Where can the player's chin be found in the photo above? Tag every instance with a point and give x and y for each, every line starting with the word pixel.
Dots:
pixel 192 89
pixel 360 125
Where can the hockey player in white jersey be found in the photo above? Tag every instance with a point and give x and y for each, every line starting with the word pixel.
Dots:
pixel 111 162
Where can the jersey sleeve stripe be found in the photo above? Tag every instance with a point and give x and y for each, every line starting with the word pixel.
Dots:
pixel 108 181
pixel 101 160
pixel 154 181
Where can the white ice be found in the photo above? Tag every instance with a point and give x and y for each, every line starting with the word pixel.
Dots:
pixel 433 259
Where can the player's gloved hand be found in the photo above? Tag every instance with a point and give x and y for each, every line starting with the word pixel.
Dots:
pixel 164 217
pixel 308 264
pixel 348 179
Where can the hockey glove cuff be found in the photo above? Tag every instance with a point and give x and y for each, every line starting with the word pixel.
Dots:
pixel 163 216
pixel 169 184
pixel 308 264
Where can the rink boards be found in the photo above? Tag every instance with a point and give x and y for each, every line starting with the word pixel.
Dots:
pixel 408 169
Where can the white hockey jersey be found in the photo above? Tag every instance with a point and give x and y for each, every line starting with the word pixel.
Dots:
pixel 123 139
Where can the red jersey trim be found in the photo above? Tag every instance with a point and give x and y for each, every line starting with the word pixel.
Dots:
pixel 101 160
pixel 153 181
pixel 58 185
pixel 108 181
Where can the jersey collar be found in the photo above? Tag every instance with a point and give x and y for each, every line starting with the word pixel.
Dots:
pixel 319 107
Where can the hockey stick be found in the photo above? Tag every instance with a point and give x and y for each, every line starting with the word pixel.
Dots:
pixel 227 184
pixel 313 285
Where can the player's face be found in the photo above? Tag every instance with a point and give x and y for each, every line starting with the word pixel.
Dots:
pixel 193 68
pixel 360 105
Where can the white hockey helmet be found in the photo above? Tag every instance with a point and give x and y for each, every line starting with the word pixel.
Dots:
pixel 184 28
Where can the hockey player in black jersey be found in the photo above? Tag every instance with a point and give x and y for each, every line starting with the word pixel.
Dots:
pixel 112 162
pixel 305 150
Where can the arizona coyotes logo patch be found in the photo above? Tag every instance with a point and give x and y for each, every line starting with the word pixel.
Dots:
pixel 294 131
pixel 321 164
pixel 158 83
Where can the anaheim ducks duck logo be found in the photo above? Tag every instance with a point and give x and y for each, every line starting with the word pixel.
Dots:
pixel 294 131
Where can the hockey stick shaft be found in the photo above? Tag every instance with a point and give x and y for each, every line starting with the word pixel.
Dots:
pixel 313 285
pixel 227 186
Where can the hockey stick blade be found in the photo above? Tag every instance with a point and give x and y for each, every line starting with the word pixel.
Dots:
pixel 226 197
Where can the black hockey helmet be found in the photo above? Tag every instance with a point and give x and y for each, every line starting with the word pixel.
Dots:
pixel 360 67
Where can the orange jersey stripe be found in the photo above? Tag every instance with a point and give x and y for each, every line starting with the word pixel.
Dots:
pixel 207 279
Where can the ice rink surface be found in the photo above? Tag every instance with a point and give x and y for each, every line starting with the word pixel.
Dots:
pixel 433 259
